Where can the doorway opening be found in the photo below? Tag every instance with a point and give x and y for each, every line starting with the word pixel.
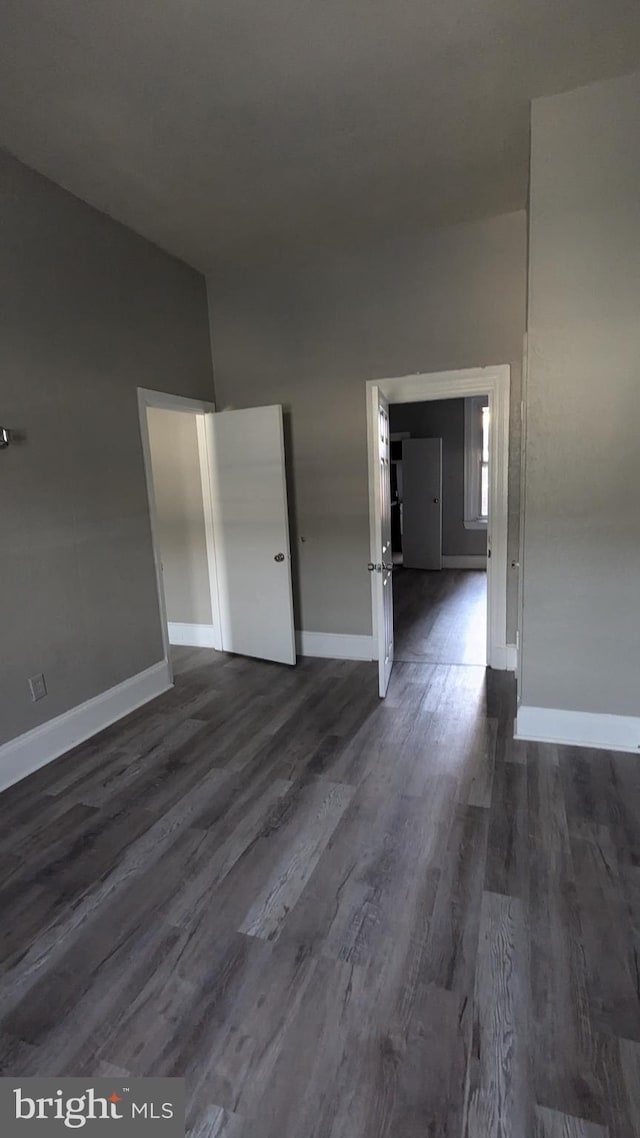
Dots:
pixel 439 478
pixel 216 489
pixel 485 480
pixel 175 453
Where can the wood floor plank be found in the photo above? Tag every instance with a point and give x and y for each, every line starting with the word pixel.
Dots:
pixel 323 808
pixel 584 786
pixel 449 959
pixel 478 784
pixel 377 876
pixel 498 1090
pixel 630 1063
pixel 63 824
pixel 109 1071
pixel 187 999
pixel 607 937
pixel 16 1055
pixel 78 991
pixel 306 1054
pixel 244 1045
pixel 563 1034
pixel 422 1068
pixel 365 1069
pixel 215 1122
pixel 242 821
pixel 402 1067
pixel 508 841
pixel 120 782
pixel 52 943
pixel 552 1124
pixel 617 1110
pixel 623 806
pixel 258 891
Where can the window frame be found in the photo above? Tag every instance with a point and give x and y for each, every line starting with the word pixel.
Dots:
pixel 473 406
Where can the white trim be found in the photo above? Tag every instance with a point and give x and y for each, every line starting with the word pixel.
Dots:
pixel 203 428
pixel 465 561
pixel 375 542
pixel 579 728
pixel 472 447
pixel 143 422
pixel 193 635
pixel 336 645
pixel 20 757
pixel 506 659
pixel 165 401
pixel 495 383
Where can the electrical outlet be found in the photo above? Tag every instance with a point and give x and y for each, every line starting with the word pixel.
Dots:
pixel 37 687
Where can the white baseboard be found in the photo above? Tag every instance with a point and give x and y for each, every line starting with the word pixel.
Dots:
pixel 470 562
pixel 336 645
pixel 193 635
pixel 20 757
pixel 579 728
pixel 504 658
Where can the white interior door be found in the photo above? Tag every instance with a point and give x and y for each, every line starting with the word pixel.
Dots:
pixel 383 564
pixel 422 503
pixel 251 527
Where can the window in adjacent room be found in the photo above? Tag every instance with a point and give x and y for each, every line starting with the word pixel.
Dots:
pixel 476 462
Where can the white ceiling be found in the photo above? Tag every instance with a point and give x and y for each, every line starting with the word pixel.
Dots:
pixel 227 130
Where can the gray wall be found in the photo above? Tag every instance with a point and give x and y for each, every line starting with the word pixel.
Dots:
pixel 88 311
pixel 309 335
pixel 581 604
pixel 444 418
pixel 173 440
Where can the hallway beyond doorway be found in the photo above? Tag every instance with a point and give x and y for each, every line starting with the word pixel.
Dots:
pixel 440 617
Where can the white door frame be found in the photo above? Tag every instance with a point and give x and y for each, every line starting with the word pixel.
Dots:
pixel 163 401
pixel 421 387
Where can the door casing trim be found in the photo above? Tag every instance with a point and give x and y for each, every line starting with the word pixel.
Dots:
pixel 494 381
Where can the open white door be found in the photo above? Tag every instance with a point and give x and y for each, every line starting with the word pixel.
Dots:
pixel 251 526
pixel 382 555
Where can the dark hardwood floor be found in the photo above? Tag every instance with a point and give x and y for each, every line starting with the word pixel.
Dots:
pixel 335 917
pixel 440 617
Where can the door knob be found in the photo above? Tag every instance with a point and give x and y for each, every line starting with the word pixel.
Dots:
pixel 279 557
pixel 436 500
